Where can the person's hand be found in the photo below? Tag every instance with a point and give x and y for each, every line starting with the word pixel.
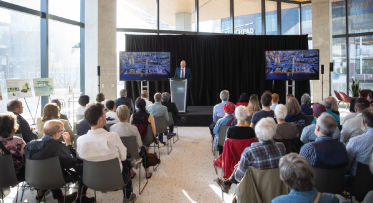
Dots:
pixel 32 128
pixel 237 165
pixel 66 137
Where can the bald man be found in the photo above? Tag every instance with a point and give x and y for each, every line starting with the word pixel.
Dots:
pixel 145 96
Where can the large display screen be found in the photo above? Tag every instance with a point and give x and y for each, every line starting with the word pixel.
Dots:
pixel 144 65
pixel 292 65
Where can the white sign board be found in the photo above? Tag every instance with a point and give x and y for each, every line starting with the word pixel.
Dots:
pixel 18 88
pixel 43 86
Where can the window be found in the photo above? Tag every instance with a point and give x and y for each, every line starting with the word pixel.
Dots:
pixel 307 19
pixel 360 16
pixel 137 14
pixel 177 15
pixel 214 16
pixel 290 19
pixel 69 9
pixel 33 4
pixel 271 17
pixel 247 17
pixel 339 75
pixel 339 16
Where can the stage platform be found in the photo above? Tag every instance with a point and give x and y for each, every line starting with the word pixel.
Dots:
pixel 197 116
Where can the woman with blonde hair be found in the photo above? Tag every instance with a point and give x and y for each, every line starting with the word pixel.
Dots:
pixel 253 107
pixel 295 114
pixel 335 106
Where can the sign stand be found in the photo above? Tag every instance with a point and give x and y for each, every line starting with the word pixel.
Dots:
pixel 29 111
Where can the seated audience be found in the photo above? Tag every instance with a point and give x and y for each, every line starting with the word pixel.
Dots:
pixel 218 110
pixel 227 120
pixel 157 110
pixel 16 107
pixel 253 107
pixel 295 114
pixel 308 133
pixel 288 96
pixel 82 126
pixel 51 112
pixel 124 129
pixel 83 101
pixel 124 100
pixel 266 112
pixel 328 105
pixel 240 130
pixel 284 130
pixel 10 144
pixel 325 152
pixel 243 100
pixel 49 146
pixel 298 175
pixel 370 98
pixel 171 107
pixel 352 111
pixel 335 107
pixel 354 126
pixel 100 98
pixel 110 106
pixel 62 116
pixel 260 103
pixel 262 155
pixel 306 109
pixel 145 96
pixel 100 145
pixel 275 99
pixel 359 148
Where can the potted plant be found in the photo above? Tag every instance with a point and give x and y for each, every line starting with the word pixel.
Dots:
pixel 355 87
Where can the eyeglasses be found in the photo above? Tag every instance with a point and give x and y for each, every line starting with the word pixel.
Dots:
pixel 62 131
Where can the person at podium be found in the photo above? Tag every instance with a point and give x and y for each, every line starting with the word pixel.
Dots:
pixel 184 72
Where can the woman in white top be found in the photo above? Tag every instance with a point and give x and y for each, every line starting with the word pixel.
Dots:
pixel 83 101
pixel 124 129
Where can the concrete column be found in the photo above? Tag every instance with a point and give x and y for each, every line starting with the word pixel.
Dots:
pixel 322 40
pixel 100 38
pixel 183 21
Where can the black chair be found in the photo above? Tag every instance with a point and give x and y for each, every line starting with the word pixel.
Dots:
pixel 309 120
pixel 161 127
pixel 131 145
pixel 330 180
pixel 8 177
pixel 300 129
pixel 170 123
pixel 108 126
pixel 363 182
pixel 148 140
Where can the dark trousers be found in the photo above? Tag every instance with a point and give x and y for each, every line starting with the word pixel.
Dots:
pixel 126 174
pixel 349 181
pixel 79 171
pixel 68 176
pixel 231 180
pixel 21 174
pixel 144 156
pixel 212 126
pixel 160 135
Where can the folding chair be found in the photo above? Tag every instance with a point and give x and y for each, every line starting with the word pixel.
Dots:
pixel 170 123
pixel 131 145
pixel 148 140
pixel 300 129
pixel 330 180
pixel 363 182
pixel 222 135
pixel 8 177
pixel 161 127
pixel 108 126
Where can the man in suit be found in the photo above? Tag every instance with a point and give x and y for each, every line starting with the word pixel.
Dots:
pixel 124 100
pixel 171 107
pixel 184 72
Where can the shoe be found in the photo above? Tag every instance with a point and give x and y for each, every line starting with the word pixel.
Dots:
pixel 85 199
pixel 169 137
pixel 131 199
pixel 42 197
pixel 225 188
pixel 148 177
pixel 136 163
pixel 69 198
pixel 173 134
pixel 160 144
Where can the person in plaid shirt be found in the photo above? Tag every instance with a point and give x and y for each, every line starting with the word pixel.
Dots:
pixel 262 155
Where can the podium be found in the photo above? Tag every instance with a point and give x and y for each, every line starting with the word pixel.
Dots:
pixel 178 89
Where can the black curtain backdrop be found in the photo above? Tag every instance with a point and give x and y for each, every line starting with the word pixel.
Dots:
pixel 218 62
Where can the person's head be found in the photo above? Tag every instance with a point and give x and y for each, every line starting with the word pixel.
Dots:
pixel 243 98
pixel 265 129
pixel 123 113
pixel 352 105
pixel 281 112
pixel 267 91
pixel 15 106
pixel 110 105
pixel 54 128
pixel 165 96
pixel 56 101
pixel 253 106
pixel 83 100
pixel 144 94
pixel 370 97
pixel 95 115
pixel 8 124
pixel 275 98
pixel 140 104
pixel 288 96
pixel 325 125
pixel 306 99
pixel 368 118
pixel 241 114
pixel 229 108
pixel 266 99
pixel 318 109
pixel 297 172
pixel 293 106
pixel 158 97
pixel 50 111
pixel 100 97
pixel 123 93
pixel 182 63
pixel 334 103
pixel 328 103
pixel 224 95
pixel 361 104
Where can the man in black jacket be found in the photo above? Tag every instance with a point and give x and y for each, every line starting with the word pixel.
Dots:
pixel 16 107
pixel 171 107
pixel 124 100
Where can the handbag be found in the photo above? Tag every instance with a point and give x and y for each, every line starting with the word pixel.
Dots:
pixel 153 159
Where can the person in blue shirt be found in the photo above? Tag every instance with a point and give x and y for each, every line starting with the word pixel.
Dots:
pixel 227 120
pixel 266 100
pixel 306 109
pixel 157 110
pixel 218 110
pixel 298 175
pixel 328 105
pixel 295 114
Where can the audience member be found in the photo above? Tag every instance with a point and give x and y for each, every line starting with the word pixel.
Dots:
pixel 308 133
pixel 82 126
pixel 100 98
pixel 295 113
pixel 110 106
pixel 243 100
pixel 335 107
pixel 50 112
pixel 325 152
pixel 306 109
pixel 354 126
pixel 275 99
pixel 328 105
pixel 262 155
pixel 16 107
pixel 218 110
pixel 240 130
pixel 227 120
pixel 49 146
pixel 266 112
pixel 298 175
pixel 157 110
pixel 370 98
pixel 284 130
pixel 62 116
pixel 124 129
pixel 288 96
pixel 124 100
pixel 253 106
pixel 100 145
pixel 171 107
pixel 359 148
pixel 352 111
pixel 83 101
pixel 371 164
pixel 145 96
pixel 10 144
pixel 260 103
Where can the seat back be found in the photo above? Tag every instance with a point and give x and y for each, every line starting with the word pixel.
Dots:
pixel 337 95
pixel 19 135
pixel 344 97
pixel 160 124
pixel 330 180
pixel 102 175
pixel 44 174
pixel 363 182
pixel 131 145
pixel 218 118
pixel 364 93
pixel 248 119
pixel 222 134
pixel 148 139
pixel 291 145
pixel 309 120
pixel 170 119
pixel 8 173
pixel 108 126
pixel 79 117
pixel 300 129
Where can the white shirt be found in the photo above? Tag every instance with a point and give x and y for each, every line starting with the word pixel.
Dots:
pixel 100 145
pixel 182 72
pixel 112 114
pixel 148 103
pixel 127 130
pixel 352 128
pixel 80 110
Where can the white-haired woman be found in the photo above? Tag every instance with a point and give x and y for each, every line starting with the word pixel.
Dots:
pixel 297 172
pixel 285 130
pixel 240 131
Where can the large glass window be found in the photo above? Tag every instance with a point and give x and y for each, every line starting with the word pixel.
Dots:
pixel 290 19
pixel 339 16
pixel 247 17
pixel 33 4
pixel 307 19
pixel 177 15
pixel 339 75
pixel 69 9
pixel 138 14
pixel 271 17
pixel 214 16
pixel 360 16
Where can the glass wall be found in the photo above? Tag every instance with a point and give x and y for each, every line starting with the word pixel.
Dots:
pixel 338 17
pixel 247 17
pixel 69 9
pixel 271 17
pixel 137 14
pixel 33 4
pixel 290 19
pixel 177 17
pixel 339 75
pixel 214 16
pixel 360 16
pixel 307 19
